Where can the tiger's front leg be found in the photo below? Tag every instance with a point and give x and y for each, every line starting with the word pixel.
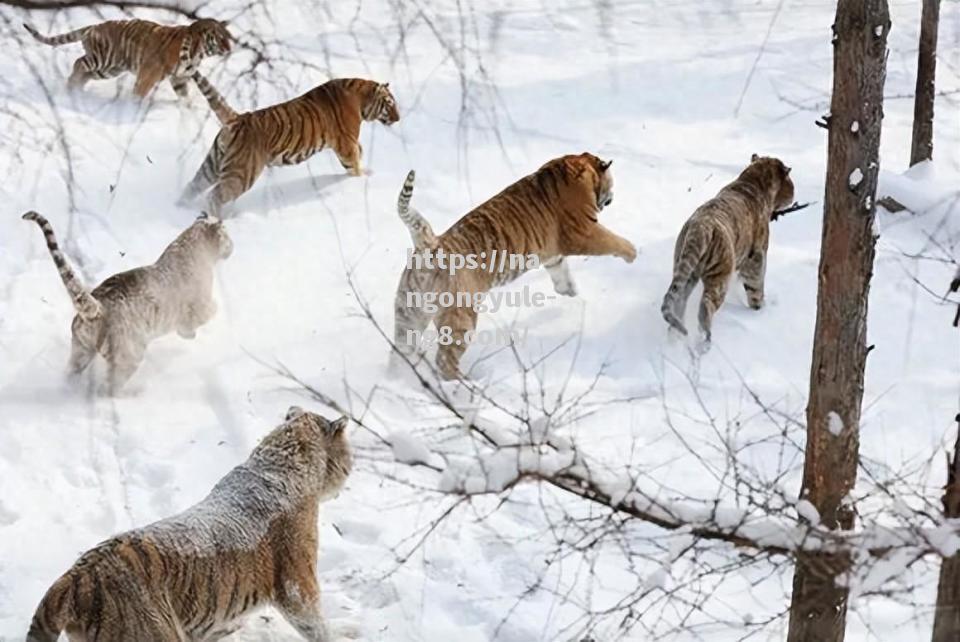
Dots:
pixel 349 154
pixel 602 242
pixel 302 610
pixel 559 272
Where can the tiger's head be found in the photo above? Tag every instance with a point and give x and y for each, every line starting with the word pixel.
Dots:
pixel 215 235
pixel 211 36
pixel 593 171
pixel 771 173
pixel 314 448
pixel 382 106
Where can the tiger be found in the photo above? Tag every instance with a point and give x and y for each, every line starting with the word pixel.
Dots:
pixel 729 233
pixel 119 317
pixel 251 542
pixel 151 51
pixel 328 115
pixel 550 214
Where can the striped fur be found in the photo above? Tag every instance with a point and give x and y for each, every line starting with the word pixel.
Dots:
pixel 421 233
pixel 120 317
pixel 87 307
pixel 729 233
pixel 149 50
pixel 251 542
pixel 286 134
pixel 223 111
pixel 550 214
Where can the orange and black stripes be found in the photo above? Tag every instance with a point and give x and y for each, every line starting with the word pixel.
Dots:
pixel 329 115
pixel 152 51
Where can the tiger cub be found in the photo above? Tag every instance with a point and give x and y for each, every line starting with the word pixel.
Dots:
pixel 287 134
pixel 551 214
pixel 729 233
pixel 123 314
pixel 251 542
pixel 149 50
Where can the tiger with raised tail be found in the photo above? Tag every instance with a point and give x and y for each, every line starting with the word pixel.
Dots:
pixel 120 317
pixel 251 542
pixel 550 214
pixel 151 51
pixel 287 134
pixel 729 233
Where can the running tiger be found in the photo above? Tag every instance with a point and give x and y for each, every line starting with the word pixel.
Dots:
pixel 728 233
pixel 287 134
pixel 118 318
pixel 251 542
pixel 551 214
pixel 149 50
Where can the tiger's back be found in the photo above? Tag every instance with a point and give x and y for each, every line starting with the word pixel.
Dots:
pixel 252 541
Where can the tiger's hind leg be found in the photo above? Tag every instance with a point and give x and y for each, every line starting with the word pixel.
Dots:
pixel 674 307
pixel 88 67
pixel 410 320
pixel 752 273
pixel 124 357
pixel 205 177
pixel 714 292
pixel 453 324
pixel 238 173
pixel 81 356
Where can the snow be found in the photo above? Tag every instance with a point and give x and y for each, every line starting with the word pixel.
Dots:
pixel 856 177
pixel 834 423
pixel 808 511
pixel 652 86
pixel 407 449
pixel 855 126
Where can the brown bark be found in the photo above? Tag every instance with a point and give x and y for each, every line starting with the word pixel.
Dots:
pixel 921 148
pixel 946 619
pixel 819 604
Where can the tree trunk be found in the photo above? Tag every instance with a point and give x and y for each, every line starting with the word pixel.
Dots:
pixel 922 147
pixel 946 619
pixel 818 606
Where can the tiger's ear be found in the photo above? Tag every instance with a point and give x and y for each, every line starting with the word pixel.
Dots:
pixel 605 165
pixel 335 427
pixel 753 158
pixel 294 412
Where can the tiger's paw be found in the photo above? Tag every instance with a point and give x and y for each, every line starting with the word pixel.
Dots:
pixel 629 254
pixel 566 288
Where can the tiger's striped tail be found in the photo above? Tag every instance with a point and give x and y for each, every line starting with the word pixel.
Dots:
pixel 51 615
pixel 62 39
pixel 224 112
pixel 84 302
pixel 420 231
pixel 689 256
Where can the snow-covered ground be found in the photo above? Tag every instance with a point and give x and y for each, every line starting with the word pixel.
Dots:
pixel 677 93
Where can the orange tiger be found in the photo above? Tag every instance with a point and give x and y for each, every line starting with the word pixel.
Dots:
pixel 151 51
pixel 251 542
pixel 551 214
pixel 287 134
